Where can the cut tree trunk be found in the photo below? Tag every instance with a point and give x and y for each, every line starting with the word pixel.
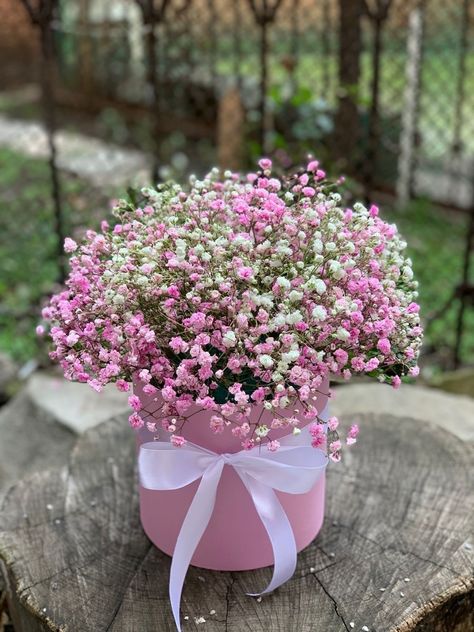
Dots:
pixel 394 553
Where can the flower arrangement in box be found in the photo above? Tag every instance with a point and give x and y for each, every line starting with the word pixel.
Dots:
pixel 227 305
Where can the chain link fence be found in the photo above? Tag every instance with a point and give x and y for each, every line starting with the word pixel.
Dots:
pixel 97 96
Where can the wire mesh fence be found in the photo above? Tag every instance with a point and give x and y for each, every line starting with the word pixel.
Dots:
pixel 135 91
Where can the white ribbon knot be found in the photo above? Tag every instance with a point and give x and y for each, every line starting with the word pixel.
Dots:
pixel 294 469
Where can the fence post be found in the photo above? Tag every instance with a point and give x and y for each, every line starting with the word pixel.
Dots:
pixel 264 15
pixel 347 115
pixel 152 16
pixel 461 84
pixel 378 16
pixel 409 131
pixel 41 16
pixel 465 291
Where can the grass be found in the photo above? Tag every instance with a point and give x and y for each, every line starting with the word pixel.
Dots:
pixel 28 270
pixel 436 243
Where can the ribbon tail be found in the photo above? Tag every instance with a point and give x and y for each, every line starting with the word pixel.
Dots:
pixel 192 529
pixel 278 528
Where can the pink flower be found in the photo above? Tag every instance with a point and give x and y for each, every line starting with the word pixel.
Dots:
pixel 258 395
pixel 352 434
pixel 177 440
pixel 384 346
pixel 244 272
pixel 134 402
pixel 72 338
pixel 241 431
pixel 353 431
pixel 216 424
pixel 168 394
pixel 69 245
pixel 135 421
pixel 333 423
pixel 373 211
pixel 206 296
pixel 318 435
pixel 39 330
pixel 341 356
pixel 318 441
pixel 248 444
pixel 151 426
pixel 265 164
pixel 273 446
pixel 396 382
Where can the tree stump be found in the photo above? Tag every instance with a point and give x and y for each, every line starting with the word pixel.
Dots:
pixel 394 553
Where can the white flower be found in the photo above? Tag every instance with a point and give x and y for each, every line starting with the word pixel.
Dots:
pixel 283 283
pixel 318 246
pixel 295 296
pixel 320 286
pixel 294 317
pixel 262 431
pixel 266 361
pixel 278 321
pixel 229 340
pixel 342 334
pixel 290 356
pixel 319 313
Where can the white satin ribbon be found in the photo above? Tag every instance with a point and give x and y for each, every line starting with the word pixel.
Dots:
pixel 294 468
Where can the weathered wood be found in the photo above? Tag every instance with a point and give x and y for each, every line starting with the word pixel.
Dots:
pixel 399 507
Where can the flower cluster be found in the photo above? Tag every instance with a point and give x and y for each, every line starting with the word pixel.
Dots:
pixel 235 292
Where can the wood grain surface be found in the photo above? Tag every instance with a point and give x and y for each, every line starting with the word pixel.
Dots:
pixel 394 553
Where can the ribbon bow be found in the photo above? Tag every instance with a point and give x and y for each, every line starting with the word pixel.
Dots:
pixel 293 469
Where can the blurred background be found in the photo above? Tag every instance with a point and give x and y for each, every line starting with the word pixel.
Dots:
pixel 98 96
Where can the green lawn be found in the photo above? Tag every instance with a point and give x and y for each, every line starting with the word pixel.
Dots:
pixel 436 241
pixel 27 251
pixel 28 268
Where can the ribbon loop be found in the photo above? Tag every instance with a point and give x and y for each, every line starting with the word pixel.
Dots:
pixel 293 469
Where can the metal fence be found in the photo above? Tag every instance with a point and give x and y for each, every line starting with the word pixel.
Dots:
pixel 136 90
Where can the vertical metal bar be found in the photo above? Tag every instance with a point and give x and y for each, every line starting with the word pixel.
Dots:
pixel 326 50
pixel 295 44
pixel 237 41
pixel 264 16
pixel 466 291
pixel 373 133
pixel 263 131
pixel 212 24
pixel 411 109
pixel 150 42
pixel 347 134
pixel 49 114
pixel 461 84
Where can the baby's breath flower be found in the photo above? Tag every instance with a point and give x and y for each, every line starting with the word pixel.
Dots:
pixel 236 293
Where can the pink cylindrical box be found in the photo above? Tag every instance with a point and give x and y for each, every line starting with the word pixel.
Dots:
pixel 235 538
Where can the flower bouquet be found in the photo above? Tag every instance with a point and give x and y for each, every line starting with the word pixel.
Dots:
pixel 226 306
